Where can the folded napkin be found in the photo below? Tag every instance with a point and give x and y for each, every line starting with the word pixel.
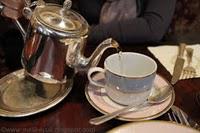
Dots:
pixel 167 56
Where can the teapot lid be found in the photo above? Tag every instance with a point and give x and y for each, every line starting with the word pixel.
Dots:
pixel 61 19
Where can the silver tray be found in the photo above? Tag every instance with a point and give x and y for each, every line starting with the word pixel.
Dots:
pixel 22 96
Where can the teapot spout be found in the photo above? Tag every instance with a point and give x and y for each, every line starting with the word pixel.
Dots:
pixel 94 59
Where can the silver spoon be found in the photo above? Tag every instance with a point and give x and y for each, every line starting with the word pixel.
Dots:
pixel 154 98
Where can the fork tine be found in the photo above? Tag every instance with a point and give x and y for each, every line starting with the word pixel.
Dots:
pixel 175 118
pixel 188 75
pixel 184 74
pixel 184 118
pixel 169 116
pixel 194 74
pixel 177 113
pixel 172 117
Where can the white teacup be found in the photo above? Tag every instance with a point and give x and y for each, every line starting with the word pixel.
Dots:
pixel 129 77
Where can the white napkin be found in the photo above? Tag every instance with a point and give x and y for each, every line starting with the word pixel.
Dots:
pixel 167 56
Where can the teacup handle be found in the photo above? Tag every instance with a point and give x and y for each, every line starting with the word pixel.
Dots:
pixel 94 70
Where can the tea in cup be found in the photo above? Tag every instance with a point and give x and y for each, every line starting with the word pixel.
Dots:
pixel 128 76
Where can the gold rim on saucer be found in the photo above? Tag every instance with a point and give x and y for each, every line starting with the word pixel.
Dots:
pixel 125 118
pixel 23 96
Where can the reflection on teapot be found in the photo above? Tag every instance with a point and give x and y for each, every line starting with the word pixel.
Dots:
pixel 55 42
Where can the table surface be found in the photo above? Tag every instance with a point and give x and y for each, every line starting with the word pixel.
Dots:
pixel 73 113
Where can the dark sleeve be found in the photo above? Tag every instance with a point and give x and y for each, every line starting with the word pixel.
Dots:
pixel 149 27
pixel 55 1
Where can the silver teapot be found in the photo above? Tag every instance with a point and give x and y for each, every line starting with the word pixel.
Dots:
pixel 55 42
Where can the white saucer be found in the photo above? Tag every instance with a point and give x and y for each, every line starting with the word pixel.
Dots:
pixel 153 127
pixel 98 98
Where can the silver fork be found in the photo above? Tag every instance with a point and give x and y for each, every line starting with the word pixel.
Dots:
pixel 189 71
pixel 178 116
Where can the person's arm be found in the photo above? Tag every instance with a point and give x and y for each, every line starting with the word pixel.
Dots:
pixel 12 8
pixel 149 27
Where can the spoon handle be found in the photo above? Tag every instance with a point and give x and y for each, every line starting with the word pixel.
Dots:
pixel 109 116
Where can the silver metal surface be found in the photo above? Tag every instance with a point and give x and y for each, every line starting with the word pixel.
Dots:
pixel 178 67
pixel 22 96
pixel 178 114
pixel 1 7
pixel 183 118
pixel 181 49
pixel 189 71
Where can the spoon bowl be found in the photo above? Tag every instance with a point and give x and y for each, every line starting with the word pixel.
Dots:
pixel 156 97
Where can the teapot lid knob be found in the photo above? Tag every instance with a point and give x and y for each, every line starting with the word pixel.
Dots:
pixel 40 3
pixel 67 4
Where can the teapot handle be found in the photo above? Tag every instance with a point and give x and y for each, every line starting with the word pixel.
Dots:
pixel 17 23
pixel 27 12
pixel 21 29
